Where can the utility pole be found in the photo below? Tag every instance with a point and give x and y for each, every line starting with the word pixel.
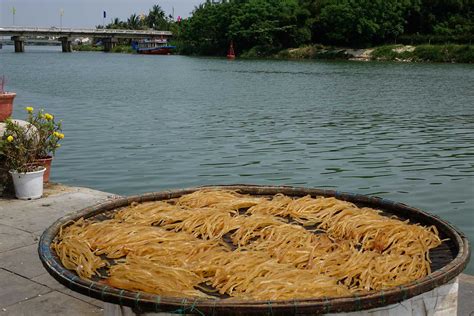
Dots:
pixel 13 15
pixel 61 13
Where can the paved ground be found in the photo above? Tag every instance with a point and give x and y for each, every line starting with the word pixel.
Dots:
pixel 25 286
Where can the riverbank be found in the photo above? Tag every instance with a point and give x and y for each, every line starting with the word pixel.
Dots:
pixel 450 53
pixel 28 289
pixel 127 49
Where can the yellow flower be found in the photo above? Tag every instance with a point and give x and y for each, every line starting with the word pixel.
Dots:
pixel 48 116
pixel 58 135
pixel 10 138
pixel 29 109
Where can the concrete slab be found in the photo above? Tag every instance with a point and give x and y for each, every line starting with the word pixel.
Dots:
pixel 12 238
pixel 37 215
pixel 33 219
pixel 53 303
pixel 22 261
pixel 466 295
pixel 47 280
pixel 14 289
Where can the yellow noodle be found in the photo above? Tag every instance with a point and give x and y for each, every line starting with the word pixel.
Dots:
pixel 251 225
pixel 344 220
pixel 277 206
pixel 75 252
pixel 138 274
pixel 149 213
pixel 250 274
pixel 206 223
pixel 117 239
pixel 218 198
pixel 173 247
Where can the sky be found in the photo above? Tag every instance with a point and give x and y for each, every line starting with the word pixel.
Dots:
pixel 83 13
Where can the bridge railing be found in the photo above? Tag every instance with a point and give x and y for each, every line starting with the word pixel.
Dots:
pixel 24 31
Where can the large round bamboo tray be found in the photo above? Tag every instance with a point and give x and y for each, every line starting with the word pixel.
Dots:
pixel 448 261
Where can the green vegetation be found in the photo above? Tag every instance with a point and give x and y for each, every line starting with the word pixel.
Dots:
pixel 431 53
pixel 265 27
pixel 122 48
pixel 291 28
pixel 155 19
pixel 317 51
pixel 420 53
pixel 392 52
pixel 445 53
pixel 88 48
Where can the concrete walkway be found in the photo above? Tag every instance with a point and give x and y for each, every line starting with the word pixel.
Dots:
pixel 25 286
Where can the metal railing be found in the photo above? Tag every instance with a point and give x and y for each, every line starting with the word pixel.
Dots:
pixel 25 31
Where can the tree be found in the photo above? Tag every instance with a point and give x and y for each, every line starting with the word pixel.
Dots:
pixel 443 17
pixel 117 24
pixel 134 22
pixel 156 19
pixel 264 25
pixel 363 22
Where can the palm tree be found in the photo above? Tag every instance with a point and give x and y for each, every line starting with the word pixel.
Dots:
pixel 157 19
pixel 134 22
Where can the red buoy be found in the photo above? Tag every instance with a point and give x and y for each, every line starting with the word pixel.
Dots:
pixel 230 53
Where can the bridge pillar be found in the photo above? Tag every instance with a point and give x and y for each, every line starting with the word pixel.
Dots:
pixel 19 44
pixel 66 44
pixel 109 43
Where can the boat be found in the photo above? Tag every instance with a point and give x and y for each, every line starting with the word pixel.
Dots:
pixel 157 46
pixel 230 53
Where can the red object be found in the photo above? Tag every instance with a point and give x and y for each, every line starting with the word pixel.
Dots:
pixel 6 105
pixel 230 53
pixel 45 162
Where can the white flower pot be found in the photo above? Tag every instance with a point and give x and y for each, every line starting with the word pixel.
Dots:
pixel 28 186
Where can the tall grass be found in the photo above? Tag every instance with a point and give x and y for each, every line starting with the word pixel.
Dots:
pixel 427 53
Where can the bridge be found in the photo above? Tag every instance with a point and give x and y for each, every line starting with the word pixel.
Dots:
pixel 65 35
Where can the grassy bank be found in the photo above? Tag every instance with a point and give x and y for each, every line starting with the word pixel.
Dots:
pixel 117 49
pixel 426 53
pixel 420 53
pixel 87 48
pixel 312 52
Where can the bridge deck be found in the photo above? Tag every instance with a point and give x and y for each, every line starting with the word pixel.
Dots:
pixel 67 32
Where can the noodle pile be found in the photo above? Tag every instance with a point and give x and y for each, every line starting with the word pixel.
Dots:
pixel 221 243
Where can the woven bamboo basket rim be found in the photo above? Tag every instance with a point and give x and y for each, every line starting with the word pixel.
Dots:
pixel 145 302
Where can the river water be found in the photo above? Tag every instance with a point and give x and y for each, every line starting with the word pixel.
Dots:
pixel 136 124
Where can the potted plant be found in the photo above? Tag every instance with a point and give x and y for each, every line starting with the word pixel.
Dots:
pixel 6 101
pixel 48 135
pixel 18 147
